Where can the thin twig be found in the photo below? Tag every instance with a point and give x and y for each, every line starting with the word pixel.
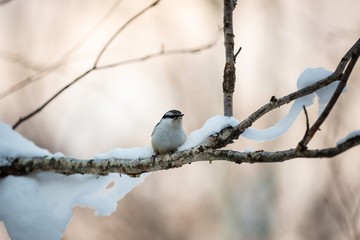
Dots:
pixel 160 53
pixel 307 119
pixel 236 54
pixel 36 111
pixel 121 29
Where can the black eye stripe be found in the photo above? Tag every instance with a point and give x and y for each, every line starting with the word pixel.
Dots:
pixel 172 116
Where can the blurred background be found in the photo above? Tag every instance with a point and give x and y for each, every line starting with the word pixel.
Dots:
pixel 119 106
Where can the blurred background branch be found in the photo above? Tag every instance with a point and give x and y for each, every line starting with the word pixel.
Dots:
pixel 59 62
pixel 3 2
pixel 95 65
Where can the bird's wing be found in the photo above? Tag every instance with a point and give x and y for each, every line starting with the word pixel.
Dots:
pixel 155 128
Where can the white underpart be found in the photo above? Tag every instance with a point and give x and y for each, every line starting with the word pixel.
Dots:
pixel 168 135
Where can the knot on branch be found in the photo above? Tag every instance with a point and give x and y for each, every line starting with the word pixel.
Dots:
pixel 255 156
pixel 273 99
pixel 229 77
pixel 224 137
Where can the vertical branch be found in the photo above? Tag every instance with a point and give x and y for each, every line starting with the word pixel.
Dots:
pixel 229 70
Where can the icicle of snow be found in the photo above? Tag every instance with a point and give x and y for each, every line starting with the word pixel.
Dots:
pixel 283 125
pixel 308 77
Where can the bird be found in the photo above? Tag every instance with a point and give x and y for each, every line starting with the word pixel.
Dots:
pixel 169 133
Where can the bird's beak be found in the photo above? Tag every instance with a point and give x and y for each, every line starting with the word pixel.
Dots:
pixel 180 116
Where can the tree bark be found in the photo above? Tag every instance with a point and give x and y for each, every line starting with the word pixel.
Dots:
pixel 229 70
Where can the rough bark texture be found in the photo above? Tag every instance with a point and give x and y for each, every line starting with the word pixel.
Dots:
pixel 229 70
pixel 68 165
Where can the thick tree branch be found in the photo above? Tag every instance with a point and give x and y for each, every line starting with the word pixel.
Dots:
pixel 68 165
